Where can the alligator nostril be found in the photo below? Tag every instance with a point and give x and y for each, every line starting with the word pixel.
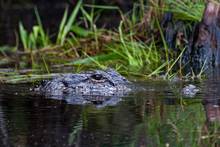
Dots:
pixel 97 76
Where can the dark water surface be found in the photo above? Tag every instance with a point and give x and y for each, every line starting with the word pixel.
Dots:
pixel 157 116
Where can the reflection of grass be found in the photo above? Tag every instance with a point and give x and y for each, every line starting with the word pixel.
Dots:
pixel 157 124
pixel 171 124
pixel 137 47
pixel 176 126
pixel 179 128
pixel 76 132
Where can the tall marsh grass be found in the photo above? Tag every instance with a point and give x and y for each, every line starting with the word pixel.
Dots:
pixel 186 10
pixel 38 38
pixel 137 47
pixel 67 23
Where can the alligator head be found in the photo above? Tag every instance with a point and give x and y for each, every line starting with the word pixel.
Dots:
pixel 90 86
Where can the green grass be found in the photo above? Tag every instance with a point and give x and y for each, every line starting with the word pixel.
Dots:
pixel 67 23
pixel 137 47
pixel 183 10
pixel 122 49
pixel 131 56
pixel 38 38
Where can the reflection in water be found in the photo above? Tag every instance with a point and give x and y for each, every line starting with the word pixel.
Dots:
pixel 154 117
pixel 212 96
pixel 3 130
pixel 212 111
pixel 211 102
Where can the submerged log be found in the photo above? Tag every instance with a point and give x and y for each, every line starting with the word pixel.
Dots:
pixel 205 45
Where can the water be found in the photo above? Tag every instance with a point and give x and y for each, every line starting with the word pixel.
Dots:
pixel 157 116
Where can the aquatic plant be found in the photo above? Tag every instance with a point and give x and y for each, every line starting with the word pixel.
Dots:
pixel 127 55
pixel 183 10
pixel 137 47
pixel 38 38
pixel 67 24
pixel 130 55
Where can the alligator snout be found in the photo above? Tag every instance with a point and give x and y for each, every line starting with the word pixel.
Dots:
pixel 85 87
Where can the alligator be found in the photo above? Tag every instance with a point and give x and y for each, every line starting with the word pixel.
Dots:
pixel 100 87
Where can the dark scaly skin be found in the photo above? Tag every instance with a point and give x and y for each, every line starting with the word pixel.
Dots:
pixel 87 87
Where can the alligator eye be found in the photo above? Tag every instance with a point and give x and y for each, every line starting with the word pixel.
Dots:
pixel 97 77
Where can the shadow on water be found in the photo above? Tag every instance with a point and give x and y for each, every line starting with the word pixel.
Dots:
pixel 158 116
